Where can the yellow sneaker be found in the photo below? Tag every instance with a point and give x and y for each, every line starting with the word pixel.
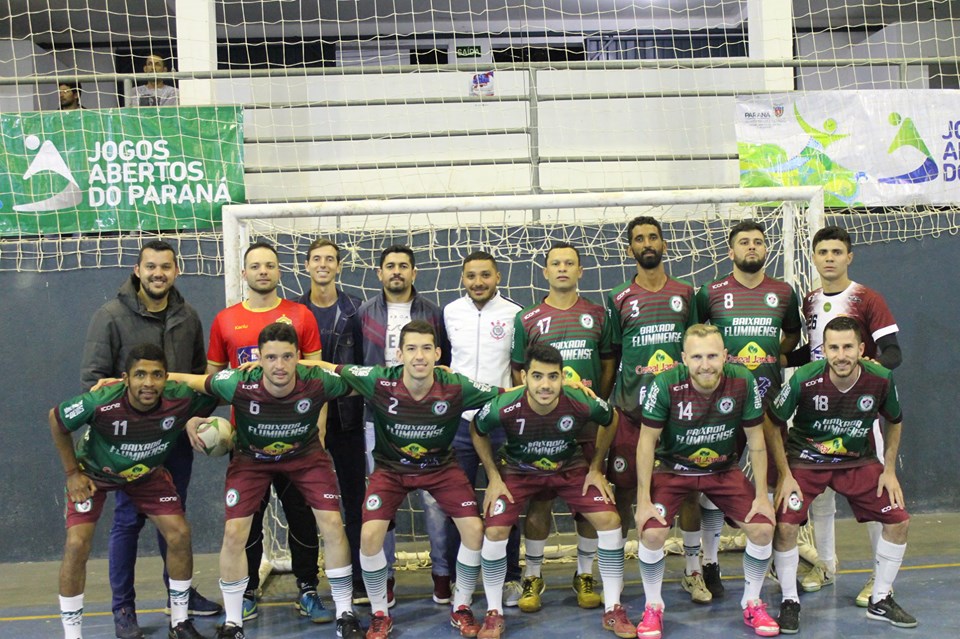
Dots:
pixel 818 577
pixel 694 584
pixel 584 586
pixel 533 587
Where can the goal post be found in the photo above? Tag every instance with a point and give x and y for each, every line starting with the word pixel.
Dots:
pixel 517 230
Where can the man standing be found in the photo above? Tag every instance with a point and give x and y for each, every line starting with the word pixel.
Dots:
pixel 416 410
pixel 759 318
pixel 233 341
pixel 155 92
pixel 542 422
pixel 381 319
pixel 648 315
pixel 696 412
pixel 148 309
pixel 480 327
pixel 580 330
pixel 839 295
pixel 339 324
pixel 834 404
pixel 276 408
pixel 133 426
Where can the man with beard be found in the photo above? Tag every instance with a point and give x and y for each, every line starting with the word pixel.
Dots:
pixel 381 319
pixel 648 314
pixel 69 96
pixel 580 330
pixel 759 318
pixel 233 341
pixel 692 417
pixel 148 309
pixel 834 404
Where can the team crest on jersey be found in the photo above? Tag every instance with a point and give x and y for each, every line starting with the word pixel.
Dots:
pixel 499 507
pixel 771 300
pixel 84 506
pixel 167 423
pixel 303 406
pixel 866 403
pixel 233 497
pixel 676 303
pixel 660 509
pixel 374 502
pixel 586 320
pixel 619 464
pixel 726 405
pixel 440 408
pixel 565 424
pixel 498 329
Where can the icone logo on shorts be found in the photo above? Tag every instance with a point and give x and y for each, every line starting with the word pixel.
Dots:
pixel 233 497
pixel 565 424
pixel 303 406
pixel 373 502
pixel 586 321
pixel 619 464
pixel 84 506
pixel 441 408
pixel 499 507
pixel 866 403
pixel 167 423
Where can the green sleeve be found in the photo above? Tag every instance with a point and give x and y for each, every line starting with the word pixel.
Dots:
pixel 333 384
pixel 754 408
pixel 785 403
pixel 600 412
pixel 488 419
pixel 519 348
pixel 476 394
pixel 362 379
pixel 76 412
pixel 224 384
pixel 656 407
pixel 891 410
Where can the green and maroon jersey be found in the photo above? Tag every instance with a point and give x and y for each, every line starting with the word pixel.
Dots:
pixel 412 435
pixel 581 333
pixel 273 428
pixel 750 321
pixel 542 443
pixel 647 329
pixel 123 444
pixel 698 433
pixel 830 426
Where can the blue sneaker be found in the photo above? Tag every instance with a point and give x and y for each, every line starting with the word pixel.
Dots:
pixel 250 611
pixel 310 605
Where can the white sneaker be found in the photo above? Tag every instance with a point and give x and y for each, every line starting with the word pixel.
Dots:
pixel 511 593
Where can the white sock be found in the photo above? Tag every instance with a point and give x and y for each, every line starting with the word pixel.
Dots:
pixel 874 529
pixel 71 616
pixel 533 556
pixel 375 580
pixel 341 588
pixel 886 566
pixel 610 558
pixel 711 527
pixel 691 551
pixel 179 591
pixel 232 592
pixel 493 557
pixel 586 552
pixel 652 564
pixel 786 563
pixel 756 562
pixel 822 513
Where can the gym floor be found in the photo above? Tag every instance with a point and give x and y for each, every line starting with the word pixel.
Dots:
pixel 926 587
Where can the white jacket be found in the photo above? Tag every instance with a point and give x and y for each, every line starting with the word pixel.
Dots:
pixel 480 340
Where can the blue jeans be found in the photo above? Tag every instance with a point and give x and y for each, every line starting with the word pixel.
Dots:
pixel 127 523
pixel 447 543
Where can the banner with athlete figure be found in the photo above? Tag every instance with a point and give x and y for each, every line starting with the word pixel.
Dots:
pixel 119 169
pixel 866 148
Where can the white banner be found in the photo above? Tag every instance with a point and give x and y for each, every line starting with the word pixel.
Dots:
pixel 866 148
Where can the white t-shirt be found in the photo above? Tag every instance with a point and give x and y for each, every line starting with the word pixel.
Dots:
pixel 398 316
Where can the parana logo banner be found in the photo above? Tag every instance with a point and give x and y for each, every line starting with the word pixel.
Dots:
pixel 866 148
pixel 119 169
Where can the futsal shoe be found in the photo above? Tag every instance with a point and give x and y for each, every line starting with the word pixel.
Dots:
pixel 512 591
pixel 890 611
pixel 651 626
pixel 310 605
pixel 789 617
pixel 380 626
pixel 533 587
pixel 711 579
pixel 463 620
pixel 616 621
pixel 819 576
pixel 184 630
pixel 493 626
pixel 585 586
pixel 694 584
pixel 125 624
pixel 755 616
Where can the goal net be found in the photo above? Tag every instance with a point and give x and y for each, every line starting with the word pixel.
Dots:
pixel 517 231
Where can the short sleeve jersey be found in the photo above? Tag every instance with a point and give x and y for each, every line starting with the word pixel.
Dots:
pixel 750 321
pixel 236 329
pixel 415 436
pixel 123 444
pixel 538 443
pixel 647 328
pixel 830 426
pixel 857 301
pixel 273 428
pixel 581 333
pixel 698 433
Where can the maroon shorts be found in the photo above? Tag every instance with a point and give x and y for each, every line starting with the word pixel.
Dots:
pixel 858 484
pixel 152 494
pixel 449 486
pixel 311 472
pixel 729 490
pixel 567 485
pixel 622 466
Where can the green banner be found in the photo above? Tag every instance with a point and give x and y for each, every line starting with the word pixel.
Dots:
pixel 119 169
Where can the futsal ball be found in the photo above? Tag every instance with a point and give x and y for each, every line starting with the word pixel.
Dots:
pixel 217 436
